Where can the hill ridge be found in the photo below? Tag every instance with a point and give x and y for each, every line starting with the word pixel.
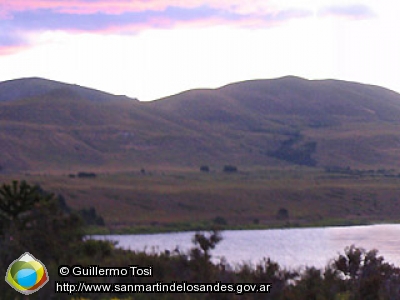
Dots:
pixel 278 123
pixel 29 87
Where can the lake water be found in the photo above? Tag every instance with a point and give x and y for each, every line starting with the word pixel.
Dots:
pixel 291 248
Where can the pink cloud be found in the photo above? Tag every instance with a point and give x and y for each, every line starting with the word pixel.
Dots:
pixel 9 50
pixel 130 16
pixel 121 6
pixel 98 16
pixel 166 22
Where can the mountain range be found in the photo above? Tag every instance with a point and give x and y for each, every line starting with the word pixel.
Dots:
pixel 49 126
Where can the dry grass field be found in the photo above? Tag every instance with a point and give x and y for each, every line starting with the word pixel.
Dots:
pixel 182 200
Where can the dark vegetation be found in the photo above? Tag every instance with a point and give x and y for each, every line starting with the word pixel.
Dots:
pixel 218 220
pixel 282 214
pixel 205 168
pixel 86 175
pixel 295 151
pixel 230 169
pixel 360 172
pixel 36 221
pixel 90 217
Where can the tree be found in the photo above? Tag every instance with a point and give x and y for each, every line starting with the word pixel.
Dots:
pixel 35 221
pixel 17 201
pixel 367 275
pixel 207 243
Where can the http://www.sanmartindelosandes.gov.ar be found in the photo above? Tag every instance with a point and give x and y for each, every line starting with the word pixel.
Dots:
pixel 27 274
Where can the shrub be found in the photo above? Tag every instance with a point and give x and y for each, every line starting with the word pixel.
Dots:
pixel 282 214
pixel 220 220
pixel 204 169
pixel 230 169
pixel 91 217
pixel 86 175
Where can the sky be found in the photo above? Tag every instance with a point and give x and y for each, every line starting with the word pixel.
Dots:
pixel 149 49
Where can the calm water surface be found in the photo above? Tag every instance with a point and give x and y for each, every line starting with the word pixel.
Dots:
pixel 291 248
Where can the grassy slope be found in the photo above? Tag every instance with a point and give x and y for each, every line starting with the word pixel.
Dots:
pixel 70 128
pixel 62 131
pixel 350 124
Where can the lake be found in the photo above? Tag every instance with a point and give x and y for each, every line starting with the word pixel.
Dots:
pixel 291 248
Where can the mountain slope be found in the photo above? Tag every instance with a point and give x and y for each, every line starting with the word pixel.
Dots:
pixel 298 121
pixel 47 125
pixel 66 127
pixel 293 96
pixel 34 87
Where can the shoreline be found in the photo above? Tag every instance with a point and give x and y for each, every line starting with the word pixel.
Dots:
pixel 188 227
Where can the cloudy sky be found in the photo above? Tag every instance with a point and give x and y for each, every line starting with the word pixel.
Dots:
pixel 153 48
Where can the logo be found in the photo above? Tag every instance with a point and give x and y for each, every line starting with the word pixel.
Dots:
pixel 27 274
